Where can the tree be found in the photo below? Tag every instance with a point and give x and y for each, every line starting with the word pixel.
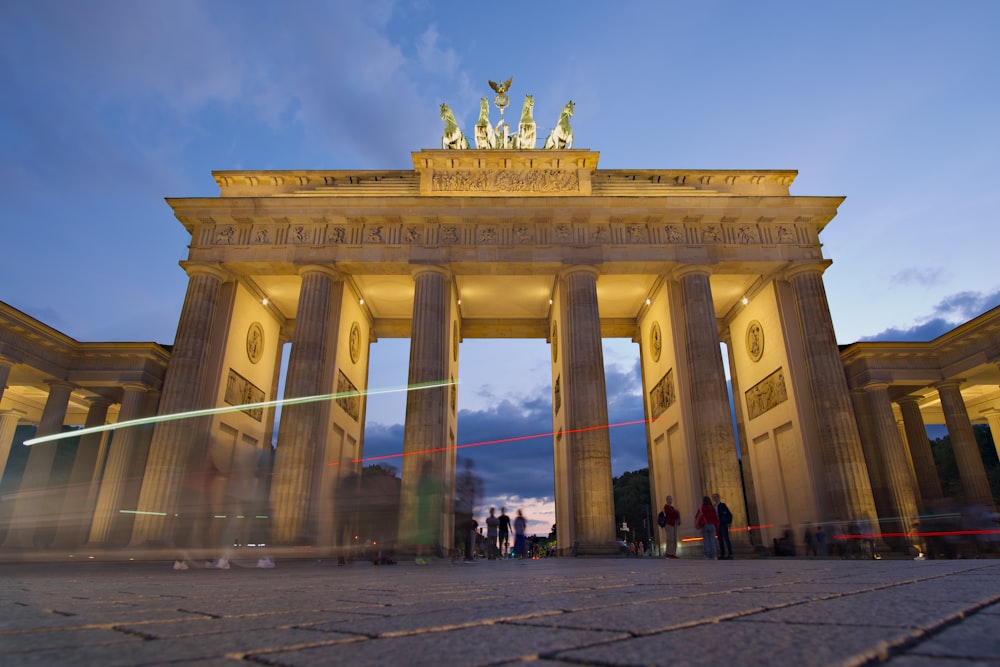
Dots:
pixel 632 503
pixel 944 459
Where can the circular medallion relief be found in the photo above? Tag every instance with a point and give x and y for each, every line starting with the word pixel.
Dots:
pixel 755 340
pixel 655 341
pixel 255 342
pixel 355 342
pixel 555 343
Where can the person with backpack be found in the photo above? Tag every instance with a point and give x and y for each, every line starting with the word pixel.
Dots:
pixel 725 520
pixel 669 519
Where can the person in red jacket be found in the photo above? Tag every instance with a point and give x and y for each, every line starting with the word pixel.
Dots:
pixel 707 521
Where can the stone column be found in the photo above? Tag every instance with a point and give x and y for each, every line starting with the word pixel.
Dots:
pixel 975 484
pixel 752 512
pixel 425 435
pixel 175 439
pixel 116 468
pixel 848 487
pixel 75 511
pixel 715 441
pixel 36 506
pixel 5 366
pixel 993 419
pixel 300 432
pixel 896 468
pixel 585 401
pixel 924 468
pixel 8 425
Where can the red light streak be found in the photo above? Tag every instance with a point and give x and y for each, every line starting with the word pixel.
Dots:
pixel 499 441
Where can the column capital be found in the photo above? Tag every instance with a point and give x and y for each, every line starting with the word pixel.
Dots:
pixel 579 268
pixel 948 383
pixel 800 268
pixel 906 400
pixel 875 386
pixel 325 269
pixel 95 401
pixel 419 269
pixel 213 269
pixel 690 269
pixel 60 384
pixel 13 413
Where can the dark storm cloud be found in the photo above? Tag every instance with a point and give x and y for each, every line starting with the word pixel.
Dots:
pixel 943 318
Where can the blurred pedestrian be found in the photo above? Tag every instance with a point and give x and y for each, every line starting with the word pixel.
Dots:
pixel 503 533
pixel 520 541
pixel 428 513
pixel 492 533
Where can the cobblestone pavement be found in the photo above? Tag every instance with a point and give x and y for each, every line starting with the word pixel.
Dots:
pixel 615 611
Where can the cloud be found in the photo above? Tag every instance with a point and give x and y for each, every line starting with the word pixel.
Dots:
pixel 945 315
pixel 923 277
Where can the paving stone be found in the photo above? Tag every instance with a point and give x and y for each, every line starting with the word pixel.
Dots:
pixel 894 607
pixel 975 638
pixel 743 644
pixel 471 646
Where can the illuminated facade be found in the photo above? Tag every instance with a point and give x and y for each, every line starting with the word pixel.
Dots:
pixel 514 244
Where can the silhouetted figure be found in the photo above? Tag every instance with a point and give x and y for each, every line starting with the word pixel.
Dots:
pixel 467 487
pixel 492 533
pixel 345 513
pixel 503 532
pixel 672 517
pixel 725 520
pixel 520 541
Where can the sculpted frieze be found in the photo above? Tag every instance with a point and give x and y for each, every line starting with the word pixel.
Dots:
pixel 506 180
pixel 766 394
pixel 662 396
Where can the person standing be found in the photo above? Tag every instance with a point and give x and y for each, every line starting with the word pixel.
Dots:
pixel 673 521
pixel 707 521
pixel 492 526
pixel 504 533
pixel 725 520
pixel 520 541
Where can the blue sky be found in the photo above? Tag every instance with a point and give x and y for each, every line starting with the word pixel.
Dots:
pixel 106 108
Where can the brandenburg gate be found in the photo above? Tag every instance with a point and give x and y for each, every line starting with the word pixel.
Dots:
pixel 513 242
pixel 497 238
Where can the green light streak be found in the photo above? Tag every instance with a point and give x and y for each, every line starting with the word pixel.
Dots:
pixel 230 408
pixel 139 512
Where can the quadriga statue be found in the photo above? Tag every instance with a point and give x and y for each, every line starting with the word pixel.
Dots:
pixel 526 137
pixel 486 136
pixel 452 137
pixel 562 134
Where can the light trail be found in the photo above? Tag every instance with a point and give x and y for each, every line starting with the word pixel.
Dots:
pixel 498 441
pixel 230 408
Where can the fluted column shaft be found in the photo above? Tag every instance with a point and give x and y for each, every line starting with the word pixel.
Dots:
pixel 975 484
pixel 9 420
pixel 5 366
pixel 425 432
pixel 848 486
pixel 175 439
pixel 299 433
pixel 120 451
pixel 896 467
pixel 586 405
pixel 35 502
pixel 75 510
pixel 928 481
pixel 715 441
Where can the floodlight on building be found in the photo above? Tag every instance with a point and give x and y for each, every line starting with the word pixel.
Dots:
pixel 648 302
pixel 361 301
pixel 745 300
pixel 264 301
